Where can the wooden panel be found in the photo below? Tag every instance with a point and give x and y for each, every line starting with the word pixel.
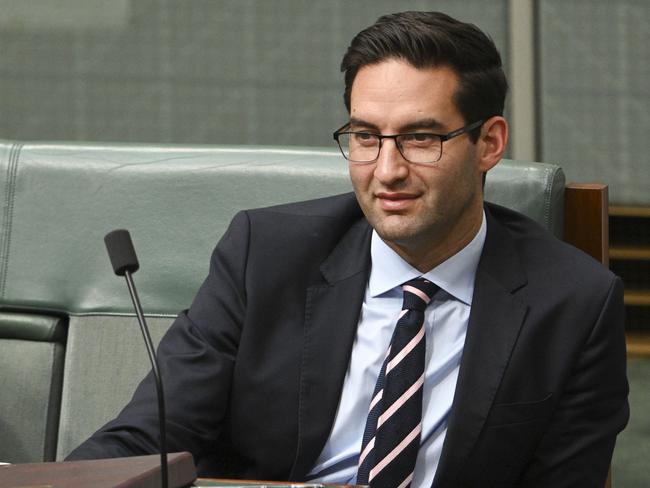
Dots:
pixel 630 253
pixel 639 298
pixel 618 211
pixel 586 224
pixel 638 345
pixel 608 482
pixel 129 472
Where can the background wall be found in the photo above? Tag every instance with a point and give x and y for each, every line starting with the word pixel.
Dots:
pixel 267 72
pixel 594 72
pixel 232 72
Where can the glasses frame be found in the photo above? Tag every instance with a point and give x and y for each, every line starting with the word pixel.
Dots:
pixel 381 137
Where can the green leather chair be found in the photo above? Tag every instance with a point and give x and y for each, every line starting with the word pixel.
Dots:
pixel 67 329
pixel 31 370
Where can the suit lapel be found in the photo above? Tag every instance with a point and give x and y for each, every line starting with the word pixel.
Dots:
pixel 331 314
pixel 495 321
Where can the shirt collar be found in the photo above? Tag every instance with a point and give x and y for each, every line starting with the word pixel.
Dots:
pixel 455 275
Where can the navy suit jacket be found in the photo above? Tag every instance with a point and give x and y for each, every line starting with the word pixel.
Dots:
pixel 254 369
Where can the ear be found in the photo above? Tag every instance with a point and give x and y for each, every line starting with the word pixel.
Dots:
pixel 492 142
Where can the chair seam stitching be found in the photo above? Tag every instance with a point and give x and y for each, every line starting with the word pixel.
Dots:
pixel 547 200
pixel 10 192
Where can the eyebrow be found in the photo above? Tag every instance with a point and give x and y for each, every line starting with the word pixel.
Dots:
pixel 428 123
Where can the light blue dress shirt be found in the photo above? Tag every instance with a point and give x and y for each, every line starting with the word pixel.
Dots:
pixel 446 320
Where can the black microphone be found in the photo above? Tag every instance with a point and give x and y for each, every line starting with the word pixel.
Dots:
pixel 122 254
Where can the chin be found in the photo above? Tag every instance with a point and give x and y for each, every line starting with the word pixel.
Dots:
pixel 399 234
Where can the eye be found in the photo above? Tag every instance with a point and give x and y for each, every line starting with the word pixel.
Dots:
pixel 420 139
pixel 364 138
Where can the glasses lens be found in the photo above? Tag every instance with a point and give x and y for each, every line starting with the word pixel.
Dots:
pixel 360 147
pixel 420 148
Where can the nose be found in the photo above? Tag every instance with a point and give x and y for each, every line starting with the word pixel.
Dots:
pixel 391 167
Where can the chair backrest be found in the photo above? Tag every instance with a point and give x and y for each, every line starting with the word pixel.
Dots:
pixel 61 199
pixel 31 372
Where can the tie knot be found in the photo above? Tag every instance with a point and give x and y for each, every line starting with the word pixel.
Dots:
pixel 418 293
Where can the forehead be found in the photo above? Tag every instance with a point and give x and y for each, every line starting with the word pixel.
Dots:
pixel 393 93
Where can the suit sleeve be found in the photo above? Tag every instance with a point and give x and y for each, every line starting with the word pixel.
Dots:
pixel 577 447
pixel 196 358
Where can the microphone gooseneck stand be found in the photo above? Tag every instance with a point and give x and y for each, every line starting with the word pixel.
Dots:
pixel 156 373
pixel 125 262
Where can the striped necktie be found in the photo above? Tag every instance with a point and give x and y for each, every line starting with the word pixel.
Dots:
pixel 391 439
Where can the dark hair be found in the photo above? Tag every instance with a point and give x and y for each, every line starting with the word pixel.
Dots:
pixel 428 39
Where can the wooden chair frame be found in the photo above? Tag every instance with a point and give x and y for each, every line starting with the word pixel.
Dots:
pixel 586 226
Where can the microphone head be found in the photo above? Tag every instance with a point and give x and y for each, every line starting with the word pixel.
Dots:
pixel 121 251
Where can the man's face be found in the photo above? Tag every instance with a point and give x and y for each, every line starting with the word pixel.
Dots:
pixel 415 207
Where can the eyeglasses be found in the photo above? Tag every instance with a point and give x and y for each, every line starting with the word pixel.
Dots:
pixel 417 147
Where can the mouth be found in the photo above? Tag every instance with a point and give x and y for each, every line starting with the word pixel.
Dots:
pixel 395 201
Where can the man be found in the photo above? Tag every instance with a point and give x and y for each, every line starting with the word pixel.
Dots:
pixel 280 369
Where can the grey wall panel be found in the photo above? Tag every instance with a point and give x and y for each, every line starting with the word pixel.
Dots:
pixel 595 95
pixel 218 71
